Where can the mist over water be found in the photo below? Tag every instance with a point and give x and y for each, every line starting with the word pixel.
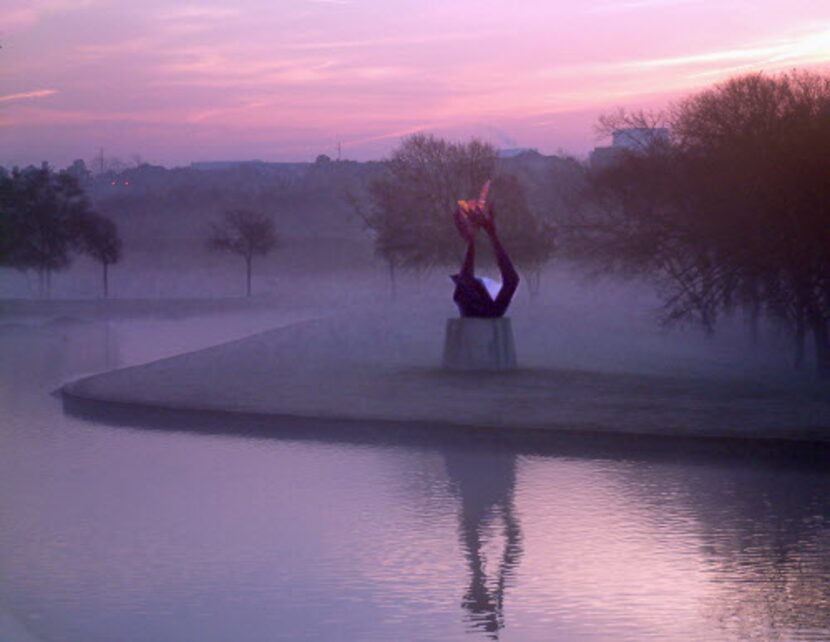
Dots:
pixel 576 322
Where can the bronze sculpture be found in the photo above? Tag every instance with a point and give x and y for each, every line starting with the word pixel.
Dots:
pixel 471 292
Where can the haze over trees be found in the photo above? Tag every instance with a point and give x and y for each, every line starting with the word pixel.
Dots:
pixel 410 204
pixel 162 213
pixel 246 233
pixel 727 213
pixel 731 211
pixel 46 217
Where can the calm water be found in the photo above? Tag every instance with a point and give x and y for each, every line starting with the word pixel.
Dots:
pixel 161 526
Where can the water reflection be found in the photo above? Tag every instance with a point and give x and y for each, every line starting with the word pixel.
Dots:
pixel 764 536
pixel 484 483
pixel 580 537
pixel 733 538
pixel 43 354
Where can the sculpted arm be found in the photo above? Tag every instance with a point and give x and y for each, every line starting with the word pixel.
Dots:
pixel 509 276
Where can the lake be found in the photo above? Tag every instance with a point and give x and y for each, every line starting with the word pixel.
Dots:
pixel 119 524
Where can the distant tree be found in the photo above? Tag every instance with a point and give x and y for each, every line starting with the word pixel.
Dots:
pixel 410 205
pixel 322 159
pixel 98 238
pixel 79 171
pixel 246 233
pixel 8 215
pixel 732 210
pixel 39 217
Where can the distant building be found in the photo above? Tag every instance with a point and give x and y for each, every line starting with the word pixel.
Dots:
pixel 517 151
pixel 214 165
pixel 257 166
pixel 629 139
pixel 639 138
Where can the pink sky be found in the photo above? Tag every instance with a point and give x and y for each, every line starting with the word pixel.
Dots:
pixel 287 79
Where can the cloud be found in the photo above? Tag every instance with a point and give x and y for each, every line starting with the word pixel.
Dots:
pixel 28 95
pixel 17 17
pixel 200 64
pixel 387 135
pixel 108 49
pixel 633 5
pixel 802 50
pixel 391 40
pixel 344 68
pixel 794 50
pixel 18 14
pixel 197 13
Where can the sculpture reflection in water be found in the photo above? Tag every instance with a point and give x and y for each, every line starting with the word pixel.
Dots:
pixel 484 482
pixel 763 535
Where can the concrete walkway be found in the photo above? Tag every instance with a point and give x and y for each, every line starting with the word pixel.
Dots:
pixel 386 369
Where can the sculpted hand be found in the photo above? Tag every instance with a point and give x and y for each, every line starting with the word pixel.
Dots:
pixel 464 225
pixel 485 219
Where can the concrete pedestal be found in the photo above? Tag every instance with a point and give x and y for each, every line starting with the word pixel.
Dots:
pixel 479 344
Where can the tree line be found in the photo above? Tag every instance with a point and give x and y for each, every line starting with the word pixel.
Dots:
pixel 730 212
pixel 46 218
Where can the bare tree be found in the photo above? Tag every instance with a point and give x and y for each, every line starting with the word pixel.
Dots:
pixel 410 205
pixel 532 241
pixel 246 233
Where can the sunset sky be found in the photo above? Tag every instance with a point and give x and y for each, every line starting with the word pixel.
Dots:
pixel 288 79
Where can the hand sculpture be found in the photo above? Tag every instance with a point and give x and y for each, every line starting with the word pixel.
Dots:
pixel 471 294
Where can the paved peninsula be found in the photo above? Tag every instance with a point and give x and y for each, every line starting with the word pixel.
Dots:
pixel 363 368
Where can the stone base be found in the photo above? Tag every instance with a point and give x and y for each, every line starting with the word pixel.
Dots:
pixel 479 344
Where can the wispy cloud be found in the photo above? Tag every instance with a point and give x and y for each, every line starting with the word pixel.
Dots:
pixel 198 64
pixel 108 49
pixel 421 39
pixel 18 14
pixel 804 49
pixel 310 70
pixel 633 5
pixel 14 18
pixel 28 95
pixel 797 49
pixel 387 135
pixel 199 13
